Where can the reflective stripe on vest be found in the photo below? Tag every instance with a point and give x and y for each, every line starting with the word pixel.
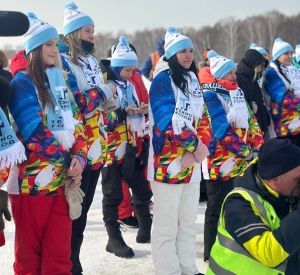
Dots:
pixel 216 269
pixel 229 257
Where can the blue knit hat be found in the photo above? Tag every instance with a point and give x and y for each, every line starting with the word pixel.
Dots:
pixel 39 33
pixel 220 65
pixel 74 19
pixel 261 50
pixel 280 47
pixel 297 53
pixel 176 42
pixel 123 55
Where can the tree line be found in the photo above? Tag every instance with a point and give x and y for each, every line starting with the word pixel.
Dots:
pixel 229 37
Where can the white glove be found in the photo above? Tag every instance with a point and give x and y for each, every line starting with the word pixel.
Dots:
pixel 74 196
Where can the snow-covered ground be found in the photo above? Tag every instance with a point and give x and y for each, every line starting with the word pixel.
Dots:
pixel 95 259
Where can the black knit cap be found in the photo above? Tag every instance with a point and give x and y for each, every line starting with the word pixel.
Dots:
pixel 276 157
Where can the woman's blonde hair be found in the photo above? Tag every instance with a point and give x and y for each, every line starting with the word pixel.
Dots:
pixel 3 59
pixel 73 41
pixel 259 69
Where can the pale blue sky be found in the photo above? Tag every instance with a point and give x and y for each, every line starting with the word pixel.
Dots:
pixel 131 15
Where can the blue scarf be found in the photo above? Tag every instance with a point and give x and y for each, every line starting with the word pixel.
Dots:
pixel 12 150
pixel 60 120
pixel 127 97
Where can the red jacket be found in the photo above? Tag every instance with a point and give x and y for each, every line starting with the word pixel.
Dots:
pixel 18 62
pixel 137 81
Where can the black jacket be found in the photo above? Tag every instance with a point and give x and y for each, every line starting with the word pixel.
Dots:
pixel 239 215
pixel 250 87
pixel 6 74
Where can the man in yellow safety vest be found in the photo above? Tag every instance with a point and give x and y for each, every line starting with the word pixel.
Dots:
pixel 259 226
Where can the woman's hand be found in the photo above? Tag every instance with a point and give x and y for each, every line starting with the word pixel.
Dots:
pixel 75 168
pixel 112 87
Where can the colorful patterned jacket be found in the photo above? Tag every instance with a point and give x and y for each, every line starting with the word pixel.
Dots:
pixel 230 145
pixel 118 131
pixel 88 97
pixel 4 173
pixel 284 105
pixel 169 148
pixel 47 161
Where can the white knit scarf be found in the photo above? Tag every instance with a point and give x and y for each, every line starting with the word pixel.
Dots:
pixel 189 108
pixel 238 114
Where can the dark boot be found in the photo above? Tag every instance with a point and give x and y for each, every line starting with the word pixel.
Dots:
pixel 145 222
pixel 116 244
pixel 144 232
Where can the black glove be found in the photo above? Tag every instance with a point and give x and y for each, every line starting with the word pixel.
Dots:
pixel 5 92
pixel 4 208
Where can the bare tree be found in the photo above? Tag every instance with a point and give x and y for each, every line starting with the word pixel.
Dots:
pixel 229 37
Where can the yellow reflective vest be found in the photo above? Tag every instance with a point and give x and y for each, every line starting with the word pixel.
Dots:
pixel 228 257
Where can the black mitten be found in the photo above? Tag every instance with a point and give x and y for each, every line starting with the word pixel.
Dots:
pixel 5 92
pixel 4 209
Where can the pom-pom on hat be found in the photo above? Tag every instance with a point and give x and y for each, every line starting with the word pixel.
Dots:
pixel 297 53
pixel 280 47
pixel 39 33
pixel 261 50
pixel 276 157
pixel 123 55
pixel 220 65
pixel 74 19
pixel 176 42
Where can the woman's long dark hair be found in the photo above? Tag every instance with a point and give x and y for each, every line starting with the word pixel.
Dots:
pixel 281 72
pixel 36 71
pixel 179 74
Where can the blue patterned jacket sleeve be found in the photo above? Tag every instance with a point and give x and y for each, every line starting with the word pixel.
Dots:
pixel 88 100
pixel 162 101
pixel 276 89
pixel 274 86
pixel 26 111
pixel 220 126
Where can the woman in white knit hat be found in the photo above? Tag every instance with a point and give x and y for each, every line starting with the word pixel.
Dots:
pixel 282 85
pixel 56 149
pixel 85 79
pixel 180 134
pixel 125 125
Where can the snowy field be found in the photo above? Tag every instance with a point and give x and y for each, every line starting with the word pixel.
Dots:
pixel 95 259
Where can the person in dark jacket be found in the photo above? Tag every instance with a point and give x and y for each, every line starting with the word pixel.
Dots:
pixel 3 64
pixel 149 66
pixel 259 224
pixel 249 71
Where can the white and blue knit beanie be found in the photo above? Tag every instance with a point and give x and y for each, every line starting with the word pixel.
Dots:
pixel 297 53
pixel 39 33
pixel 280 47
pixel 261 50
pixel 176 42
pixel 123 55
pixel 74 19
pixel 220 65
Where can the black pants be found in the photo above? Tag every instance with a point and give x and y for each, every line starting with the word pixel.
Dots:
pixel 113 195
pixel 88 186
pixel 295 139
pixel 216 193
